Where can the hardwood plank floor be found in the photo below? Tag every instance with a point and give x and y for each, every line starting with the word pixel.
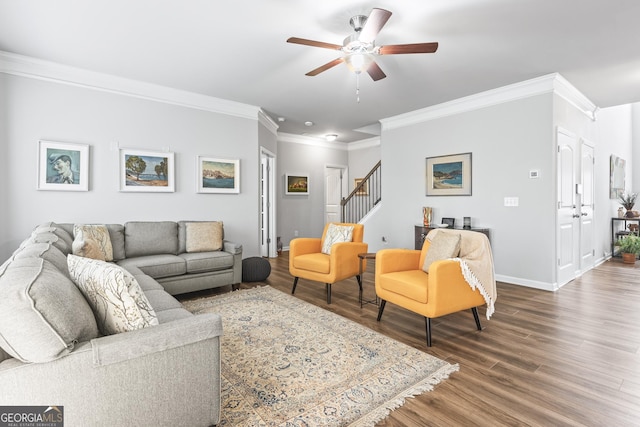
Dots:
pixel 570 357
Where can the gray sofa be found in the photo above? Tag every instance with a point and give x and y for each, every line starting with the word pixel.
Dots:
pixel 52 353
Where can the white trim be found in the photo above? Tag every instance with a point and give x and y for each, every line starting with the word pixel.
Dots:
pixel 551 83
pixel 25 66
pixel 365 143
pixel 526 282
pixel 309 140
pixel 268 122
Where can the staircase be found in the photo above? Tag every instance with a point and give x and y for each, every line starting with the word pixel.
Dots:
pixel 364 197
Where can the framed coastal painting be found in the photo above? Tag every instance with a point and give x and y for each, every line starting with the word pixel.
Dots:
pixel 218 175
pixel 146 171
pixel 296 185
pixel 63 166
pixel 449 175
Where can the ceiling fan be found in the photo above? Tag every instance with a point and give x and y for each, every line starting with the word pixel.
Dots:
pixel 359 48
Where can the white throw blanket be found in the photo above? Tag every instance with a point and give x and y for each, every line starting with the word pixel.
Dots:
pixel 476 263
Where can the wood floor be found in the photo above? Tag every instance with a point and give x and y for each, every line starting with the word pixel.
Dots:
pixel 570 357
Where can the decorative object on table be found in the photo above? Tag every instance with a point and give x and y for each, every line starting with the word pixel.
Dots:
pixel 217 175
pixel 629 248
pixel 296 185
pixel 426 216
pixel 279 245
pixel 146 171
pixel 620 212
pixel 616 178
pixel 628 201
pixel 466 223
pixel 449 175
pixel 63 166
pixel 450 222
pixel 287 362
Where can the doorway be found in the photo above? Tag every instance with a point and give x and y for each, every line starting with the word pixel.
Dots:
pixel 267 204
pixel 334 188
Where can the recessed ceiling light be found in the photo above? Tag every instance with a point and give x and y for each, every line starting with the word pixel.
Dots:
pixel 309 123
pixel 331 137
pixel 281 119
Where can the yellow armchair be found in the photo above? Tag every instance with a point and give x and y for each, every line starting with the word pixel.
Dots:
pixel 400 279
pixel 306 259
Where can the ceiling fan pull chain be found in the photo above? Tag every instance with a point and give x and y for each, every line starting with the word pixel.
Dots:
pixel 358 87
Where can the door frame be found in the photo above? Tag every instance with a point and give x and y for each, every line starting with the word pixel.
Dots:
pixel 267 204
pixel 344 179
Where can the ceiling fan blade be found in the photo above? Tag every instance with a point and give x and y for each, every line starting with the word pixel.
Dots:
pixel 376 20
pixel 394 49
pixel 325 67
pixel 313 43
pixel 376 72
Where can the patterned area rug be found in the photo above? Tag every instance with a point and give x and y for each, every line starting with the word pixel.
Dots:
pixel 286 362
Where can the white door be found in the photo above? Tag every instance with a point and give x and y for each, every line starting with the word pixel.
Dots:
pixel 267 205
pixel 587 229
pixel 568 216
pixel 333 194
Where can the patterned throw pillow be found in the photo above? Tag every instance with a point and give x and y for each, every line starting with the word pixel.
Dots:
pixel 203 236
pixel 92 241
pixel 114 295
pixel 336 234
pixel 443 246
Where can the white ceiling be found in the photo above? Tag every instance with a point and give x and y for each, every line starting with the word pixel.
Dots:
pixel 236 50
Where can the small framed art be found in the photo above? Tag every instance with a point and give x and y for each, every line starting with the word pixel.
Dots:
pixel 218 175
pixel 449 175
pixel 63 166
pixel 362 191
pixel 296 185
pixel 146 171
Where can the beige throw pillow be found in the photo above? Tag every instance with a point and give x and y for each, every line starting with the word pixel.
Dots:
pixel 336 234
pixel 92 241
pixel 203 236
pixel 443 246
pixel 114 295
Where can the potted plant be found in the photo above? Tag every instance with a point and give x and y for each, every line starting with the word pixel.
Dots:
pixel 630 248
pixel 628 200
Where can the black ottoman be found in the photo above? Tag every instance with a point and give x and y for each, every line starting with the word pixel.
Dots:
pixel 255 269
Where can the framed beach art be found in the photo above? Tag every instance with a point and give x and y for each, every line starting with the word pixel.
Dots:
pixel 449 175
pixel 63 166
pixel 296 185
pixel 218 175
pixel 146 171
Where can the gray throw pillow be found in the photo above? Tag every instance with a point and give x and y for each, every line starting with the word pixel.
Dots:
pixel 443 246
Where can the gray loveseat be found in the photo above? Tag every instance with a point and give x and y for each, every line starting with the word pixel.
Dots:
pixel 52 353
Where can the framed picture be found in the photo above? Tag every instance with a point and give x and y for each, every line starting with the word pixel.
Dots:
pixel 364 190
pixel 449 175
pixel 616 178
pixel 146 171
pixel 218 175
pixel 451 222
pixel 63 166
pixel 296 185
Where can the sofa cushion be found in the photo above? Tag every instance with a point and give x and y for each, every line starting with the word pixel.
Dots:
pixel 443 246
pixel 336 234
pixel 61 232
pixel 319 263
pixel 116 232
pixel 160 300
pixel 45 251
pixel 92 241
pixel 182 234
pixel 114 295
pixel 143 238
pixel 42 313
pixel 201 262
pixel 412 284
pixel 42 236
pixel 157 266
pixel 203 236
pixel 147 283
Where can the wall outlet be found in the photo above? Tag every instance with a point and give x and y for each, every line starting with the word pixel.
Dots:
pixel 511 201
pixel 295 233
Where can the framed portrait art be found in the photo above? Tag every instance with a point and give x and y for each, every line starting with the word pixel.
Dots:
pixel 296 185
pixel 218 175
pixel 146 171
pixel 449 175
pixel 63 166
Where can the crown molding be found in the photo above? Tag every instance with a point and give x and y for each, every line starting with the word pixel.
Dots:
pixel 267 122
pixel 310 140
pixel 25 66
pixel 550 83
pixel 364 143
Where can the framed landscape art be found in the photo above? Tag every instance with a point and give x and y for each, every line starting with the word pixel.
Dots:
pixel 449 175
pixel 296 185
pixel 218 175
pixel 364 190
pixel 146 171
pixel 63 166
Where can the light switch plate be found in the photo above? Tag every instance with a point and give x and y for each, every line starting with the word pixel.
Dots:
pixel 511 201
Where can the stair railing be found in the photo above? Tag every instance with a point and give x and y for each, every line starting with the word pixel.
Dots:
pixel 364 197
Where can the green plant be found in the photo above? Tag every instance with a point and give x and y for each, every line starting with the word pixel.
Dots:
pixel 630 244
pixel 628 200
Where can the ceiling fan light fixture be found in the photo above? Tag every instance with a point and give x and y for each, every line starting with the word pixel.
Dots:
pixel 358 62
pixel 331 137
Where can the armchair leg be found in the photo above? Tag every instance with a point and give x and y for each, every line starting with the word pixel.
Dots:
pixel 427 322
pixel 474 310
pixel 359 279
pixel 328 293
pixel 381 309
pixel 295 283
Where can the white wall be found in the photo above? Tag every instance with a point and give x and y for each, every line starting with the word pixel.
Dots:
pixel 33 109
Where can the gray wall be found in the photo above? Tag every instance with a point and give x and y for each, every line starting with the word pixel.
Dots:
pixel 32 110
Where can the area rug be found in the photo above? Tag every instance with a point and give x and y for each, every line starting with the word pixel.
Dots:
pixel 286 362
